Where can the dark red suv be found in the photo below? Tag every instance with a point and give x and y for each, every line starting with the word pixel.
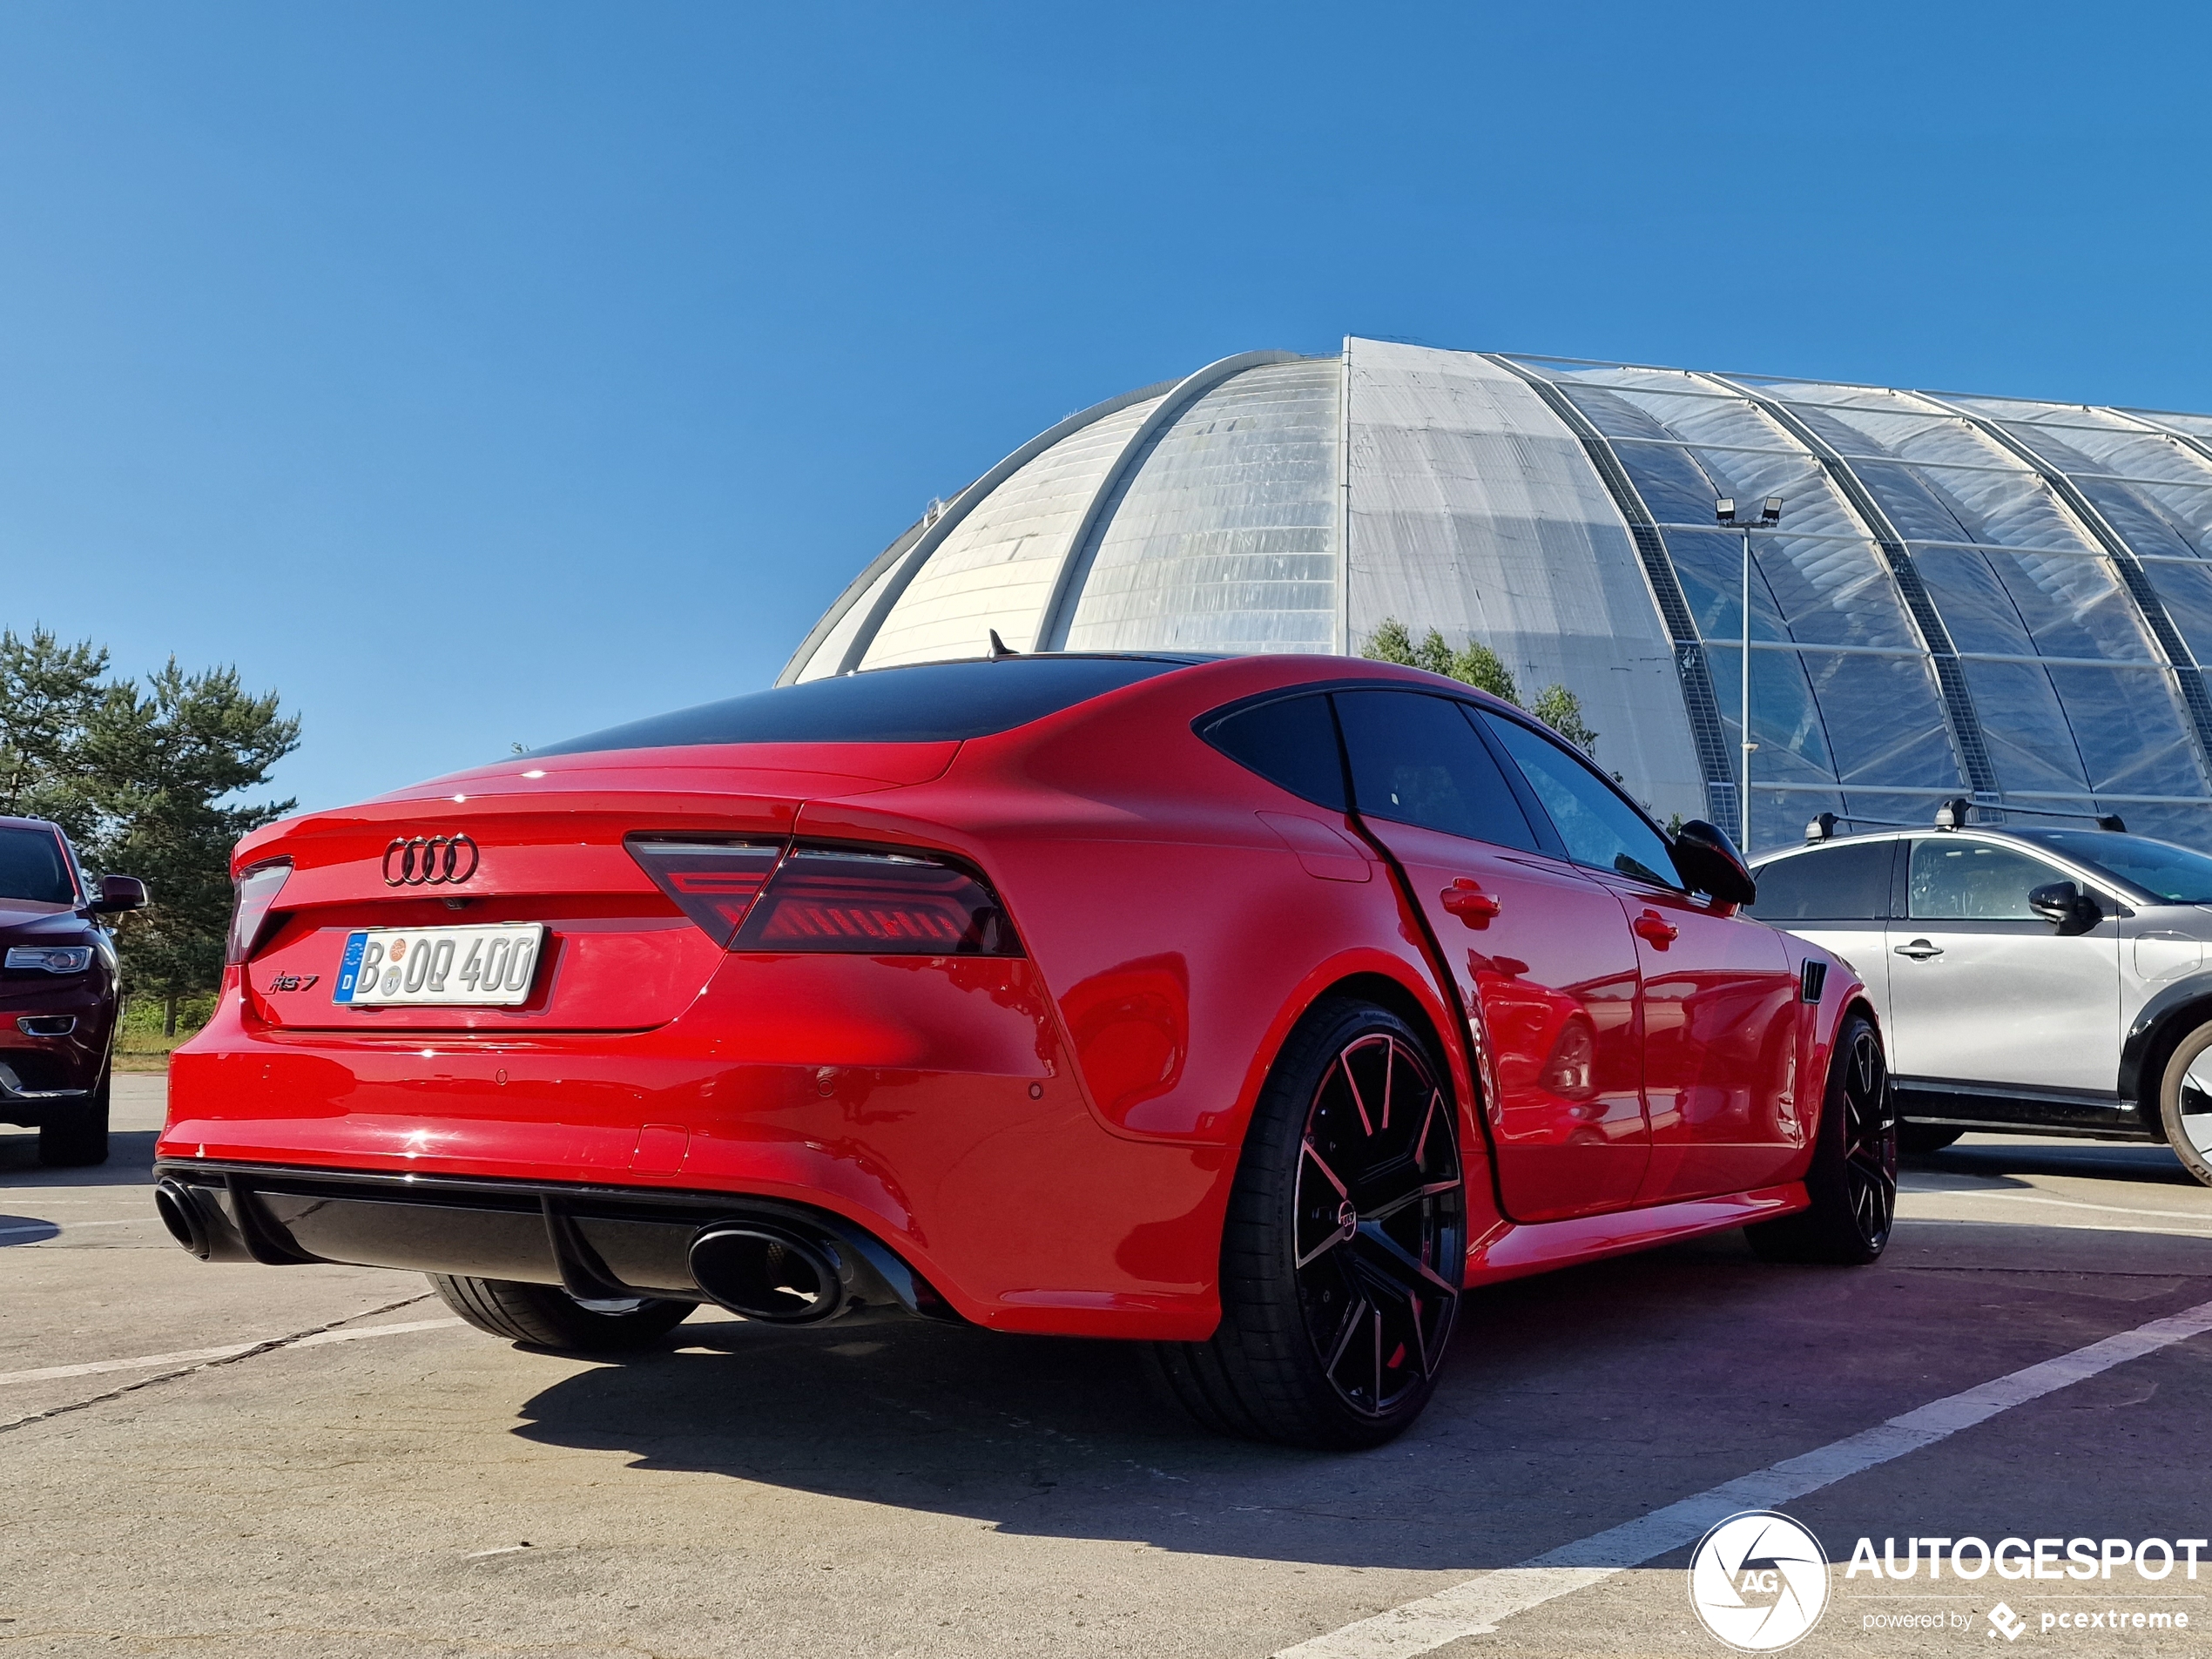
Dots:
pixel 57 990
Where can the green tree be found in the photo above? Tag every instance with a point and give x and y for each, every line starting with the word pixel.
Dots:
pixel 48 691
pixel 157 764
pixel 1483 668
pixel 1391 643
pixel 1476 664
pixel 1559 709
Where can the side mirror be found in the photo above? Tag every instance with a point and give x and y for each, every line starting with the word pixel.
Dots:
pixel 1708 860
pixel 2066 907
pixel 119 892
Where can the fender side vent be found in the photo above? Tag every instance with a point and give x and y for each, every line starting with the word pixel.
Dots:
pixel 1813 979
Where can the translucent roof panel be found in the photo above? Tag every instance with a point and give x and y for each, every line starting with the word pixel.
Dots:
pixel 2130 731
pixel 996 568
pixel 1222 537
pixel 2196 425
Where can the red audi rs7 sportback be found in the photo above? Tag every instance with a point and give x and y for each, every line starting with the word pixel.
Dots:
pixel 1252 1009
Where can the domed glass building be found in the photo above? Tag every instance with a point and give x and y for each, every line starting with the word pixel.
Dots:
pixel 1964 596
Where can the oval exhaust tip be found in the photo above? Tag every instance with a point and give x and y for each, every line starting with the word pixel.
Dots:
pixel 181 1217
pixel 766 1274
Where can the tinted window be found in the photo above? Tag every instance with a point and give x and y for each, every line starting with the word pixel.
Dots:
pixel 1845 882
pixel 1415 759
pixel 928 703
pixel 1599 828
pixel 1955 881
pixel 32 867
pixel 1292 742
pixel 2173 873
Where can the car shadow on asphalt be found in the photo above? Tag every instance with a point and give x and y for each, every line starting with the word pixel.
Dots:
pixel 2097 1160
pixel 1568 1404
pixel 130 1162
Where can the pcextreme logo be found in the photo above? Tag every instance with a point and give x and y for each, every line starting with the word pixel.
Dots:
pixel 1759 1582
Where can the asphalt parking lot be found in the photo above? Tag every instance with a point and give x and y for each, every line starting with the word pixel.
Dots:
pixel 381 1480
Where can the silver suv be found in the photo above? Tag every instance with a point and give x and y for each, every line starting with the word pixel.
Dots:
pixel 2047 981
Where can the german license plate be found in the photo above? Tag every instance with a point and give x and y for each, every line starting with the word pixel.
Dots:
pixel 486 967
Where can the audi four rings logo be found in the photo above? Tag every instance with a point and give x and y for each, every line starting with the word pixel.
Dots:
pixel 435 862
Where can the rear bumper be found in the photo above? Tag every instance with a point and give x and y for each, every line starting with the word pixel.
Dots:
pixel 593 1241
pixel 926 1104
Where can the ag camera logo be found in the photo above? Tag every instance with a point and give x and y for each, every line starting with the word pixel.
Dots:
pixel 1759 1582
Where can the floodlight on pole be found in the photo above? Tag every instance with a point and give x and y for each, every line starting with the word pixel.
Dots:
pixel 1770 516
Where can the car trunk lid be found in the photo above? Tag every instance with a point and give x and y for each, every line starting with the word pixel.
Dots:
pixel 540 843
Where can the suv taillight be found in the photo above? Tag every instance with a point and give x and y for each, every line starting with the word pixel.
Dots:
pixel 255 890
pixel 877 904
pixel 712 882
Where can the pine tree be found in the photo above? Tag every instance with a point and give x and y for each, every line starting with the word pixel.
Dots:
pixel 156 767
pixel 48 691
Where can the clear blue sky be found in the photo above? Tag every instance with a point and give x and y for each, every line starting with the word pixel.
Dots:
pixel 484 373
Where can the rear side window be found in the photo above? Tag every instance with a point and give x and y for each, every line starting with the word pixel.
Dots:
pixel 1416 759
pixel 31 867
pixel 1840 883
pixel 928 703
pixel 1601 829
pixel 1292 742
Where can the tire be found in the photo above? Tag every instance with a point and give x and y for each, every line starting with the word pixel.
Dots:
pixel 1852 1182
pixel 2185 1103
pixel 1334 1319
pixel 545 1316
pixel 77 1136
pixel 1923 1138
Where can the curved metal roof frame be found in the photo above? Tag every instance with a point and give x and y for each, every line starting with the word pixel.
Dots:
pixel 936 530
pixel 2189 677
pixel 1935 637
pixel 1082 542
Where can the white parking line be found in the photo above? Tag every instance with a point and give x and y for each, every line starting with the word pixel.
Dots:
pixel 2064 1203
pixel 196 1356
pixel 1475 1607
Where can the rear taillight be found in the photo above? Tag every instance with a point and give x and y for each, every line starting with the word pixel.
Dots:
pixel 256 890
pixel 877 904
pixel 712 882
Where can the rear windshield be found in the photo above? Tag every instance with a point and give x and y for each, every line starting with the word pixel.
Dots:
pixel 928 703
pixel 32 867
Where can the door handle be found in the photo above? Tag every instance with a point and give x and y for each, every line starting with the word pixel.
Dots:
pixel 1655 930
pixel 1465 899
pixel 1919 950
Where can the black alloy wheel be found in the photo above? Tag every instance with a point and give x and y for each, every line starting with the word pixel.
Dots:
pixel 1853 1181
pixel 1345 1248
pixel 1380 1224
